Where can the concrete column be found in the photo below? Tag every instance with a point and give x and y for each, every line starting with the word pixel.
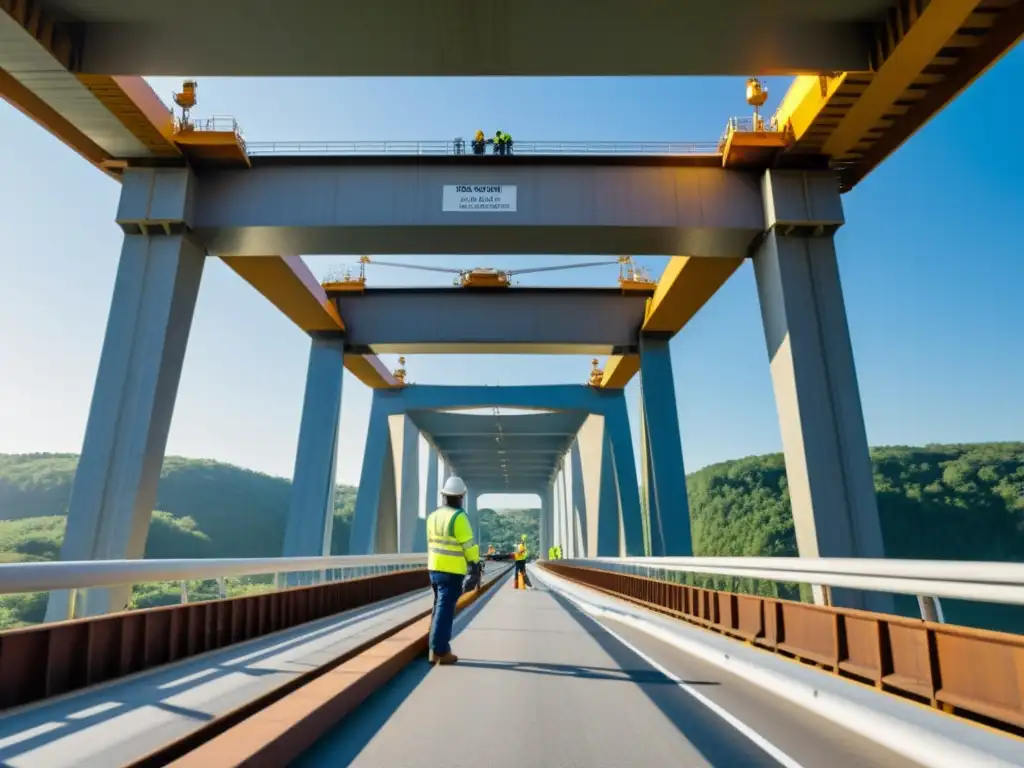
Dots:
pixel 828 467
pixel 375 522
pixel 472 512
pixel 545 533
pixel 648 499
pixel 579 498
pixel 600 488
pixel 311 509
pixel 547 499
pixel 405 462
pixel 625 480
pixel 570 527
pixel 669 515
pixel 430 501
pixel 115 484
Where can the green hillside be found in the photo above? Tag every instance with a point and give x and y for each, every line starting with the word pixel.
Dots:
pixel 958 502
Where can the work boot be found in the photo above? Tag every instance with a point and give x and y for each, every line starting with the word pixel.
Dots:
pixel 446 658
pixel 430 657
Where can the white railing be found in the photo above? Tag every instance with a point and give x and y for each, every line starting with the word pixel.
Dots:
pixel 463 147
pixel 928 580
pixel 45 577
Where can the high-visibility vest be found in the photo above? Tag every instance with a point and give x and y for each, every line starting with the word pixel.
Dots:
pixel 450 543
pixel 521 553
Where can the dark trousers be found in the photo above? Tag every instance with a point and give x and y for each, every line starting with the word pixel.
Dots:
pixel 521 568
pixel 447 589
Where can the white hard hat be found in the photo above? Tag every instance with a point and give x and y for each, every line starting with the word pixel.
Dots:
pixel 454 486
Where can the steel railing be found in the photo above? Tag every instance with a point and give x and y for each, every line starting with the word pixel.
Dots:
pixel 462 147
pixel 928 580
pixel 43 577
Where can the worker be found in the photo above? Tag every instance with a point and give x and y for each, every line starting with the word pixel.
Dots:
pixel 507 138
pixel 551 553
pixel 558 551
pixel 490 550
pixel 479 143
pixel 499 143
pixel 450 547
pixel 520 554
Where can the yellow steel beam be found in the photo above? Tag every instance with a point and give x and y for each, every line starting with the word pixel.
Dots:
pixel 287 283
pixel 808 96
pixel 684 287
pixel 914 42
pixel 619 370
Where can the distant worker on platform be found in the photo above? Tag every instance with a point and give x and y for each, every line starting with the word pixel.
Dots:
pixel 520 554
pixel 451 552
pixel 479 143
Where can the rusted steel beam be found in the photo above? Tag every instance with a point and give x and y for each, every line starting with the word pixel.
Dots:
pixel 281 731
pixel 973 673
pixel 52 659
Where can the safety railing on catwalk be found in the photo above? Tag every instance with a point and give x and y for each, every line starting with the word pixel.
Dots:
pixel 458 146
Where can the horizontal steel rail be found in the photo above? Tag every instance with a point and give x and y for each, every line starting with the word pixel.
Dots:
pixel 454 148
pixel 968 672
pixel 981 581
pixel 43 577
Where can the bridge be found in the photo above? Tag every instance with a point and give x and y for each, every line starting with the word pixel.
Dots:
pixel 629 650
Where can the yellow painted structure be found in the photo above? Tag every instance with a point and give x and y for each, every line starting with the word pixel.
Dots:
pixel 685 286
pixel 287 283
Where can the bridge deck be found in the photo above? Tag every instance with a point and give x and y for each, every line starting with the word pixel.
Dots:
pixel 115 724
pixel 537 674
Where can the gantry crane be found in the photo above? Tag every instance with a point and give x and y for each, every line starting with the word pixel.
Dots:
pixel 632 277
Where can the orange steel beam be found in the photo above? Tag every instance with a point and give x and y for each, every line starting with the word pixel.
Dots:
pixel 37 110
pixel 923 55
pixel 138 108
pixel 684 287
pixel 913 44
pixel 287 283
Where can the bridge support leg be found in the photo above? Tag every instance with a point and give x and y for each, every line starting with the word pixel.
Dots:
pixel 405 459
pixel 115 485
pixel 311 511
pixel 579 499
pixel 627 491
pixel 665 477
pixel 430 501
pixel 828 466
pixel 472 511
pixel 375 522
pixel 600 488
pixel 546 539
pixel 547 503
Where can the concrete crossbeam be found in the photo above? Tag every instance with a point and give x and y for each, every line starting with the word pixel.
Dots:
pixel 521 321
pixel 395 205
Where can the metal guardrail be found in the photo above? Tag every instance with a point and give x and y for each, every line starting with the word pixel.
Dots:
pixel 974 673
pixel 43 577
pixel 52 659
pixel 460 147
pixel 926 579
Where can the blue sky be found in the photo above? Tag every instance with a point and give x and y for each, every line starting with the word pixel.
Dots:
pixel 931 261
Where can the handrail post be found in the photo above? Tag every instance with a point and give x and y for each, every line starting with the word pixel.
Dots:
pixel 184 591
pixel 931 609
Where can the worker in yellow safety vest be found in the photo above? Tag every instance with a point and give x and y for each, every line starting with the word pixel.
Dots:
pixel 451 552
pixel 520 554
pixel 558 551
pixel 551 553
